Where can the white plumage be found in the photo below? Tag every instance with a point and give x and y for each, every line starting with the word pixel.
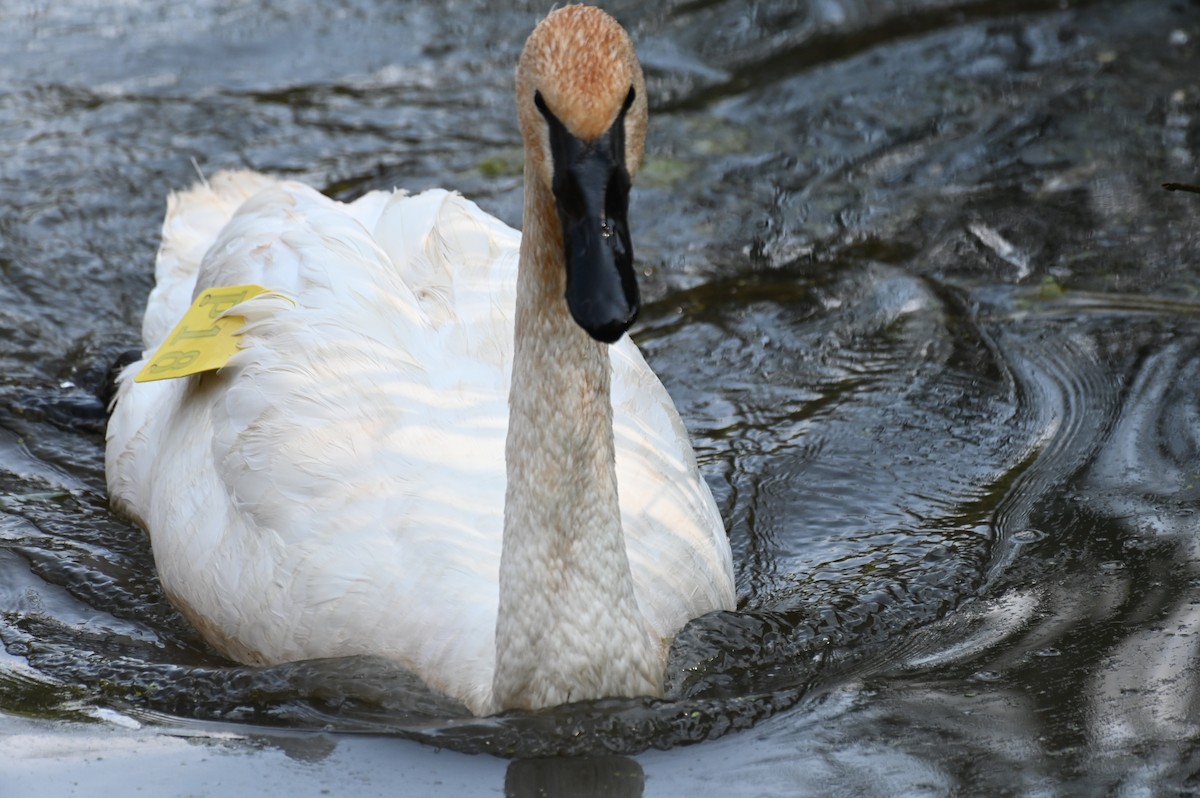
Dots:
pixel 339 488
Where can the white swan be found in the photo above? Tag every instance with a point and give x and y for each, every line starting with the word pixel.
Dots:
pixel 381 471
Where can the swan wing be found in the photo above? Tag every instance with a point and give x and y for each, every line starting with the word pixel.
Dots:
pixel 338 488
pixel 678 550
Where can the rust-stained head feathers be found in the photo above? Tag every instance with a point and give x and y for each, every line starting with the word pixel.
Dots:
pixel 583 64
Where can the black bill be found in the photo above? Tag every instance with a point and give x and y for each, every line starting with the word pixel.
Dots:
pixel 591 189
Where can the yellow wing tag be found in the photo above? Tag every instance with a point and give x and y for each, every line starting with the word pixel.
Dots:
pixel 203 340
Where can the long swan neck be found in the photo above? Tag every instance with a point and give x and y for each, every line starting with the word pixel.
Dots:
pixel 569 627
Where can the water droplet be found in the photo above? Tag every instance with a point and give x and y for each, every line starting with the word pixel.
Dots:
pixel 1028 535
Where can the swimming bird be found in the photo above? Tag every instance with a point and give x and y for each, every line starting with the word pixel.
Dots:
pixel 435 442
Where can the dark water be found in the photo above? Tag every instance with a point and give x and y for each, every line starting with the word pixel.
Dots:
pixel 930 318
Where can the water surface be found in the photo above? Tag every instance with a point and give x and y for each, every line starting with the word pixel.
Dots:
pixel 932 323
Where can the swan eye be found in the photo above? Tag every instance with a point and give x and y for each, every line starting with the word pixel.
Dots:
pixel 629 98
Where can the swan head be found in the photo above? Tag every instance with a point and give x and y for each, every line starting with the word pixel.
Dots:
pixel 581 100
